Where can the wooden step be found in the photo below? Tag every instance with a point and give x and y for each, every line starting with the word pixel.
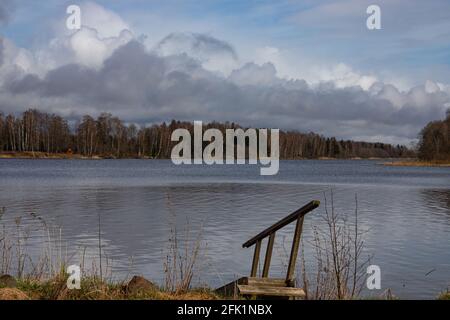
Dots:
pixel 270 291
pixel 269 282
pixel 231 289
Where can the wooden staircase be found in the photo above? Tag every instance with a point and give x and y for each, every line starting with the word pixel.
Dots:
pixel 265 287
pixel 260 287
pixel 269 287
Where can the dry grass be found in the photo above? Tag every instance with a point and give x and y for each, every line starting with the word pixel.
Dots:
pixel 180 262
pixel 339 268
pixel 182 256
pixel 13 294
pixel 444 296
pixel 93 289
pixel 14 256
pixel 417 163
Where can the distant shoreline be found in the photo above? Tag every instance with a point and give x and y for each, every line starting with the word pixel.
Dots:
pixel 44 155
pixel 68 156
pixel 417 163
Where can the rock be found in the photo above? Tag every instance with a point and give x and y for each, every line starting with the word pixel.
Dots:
pixel 12 294
pixel 7 281
pixel 139 284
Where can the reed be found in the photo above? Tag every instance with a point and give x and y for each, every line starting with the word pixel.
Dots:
pixel 182 255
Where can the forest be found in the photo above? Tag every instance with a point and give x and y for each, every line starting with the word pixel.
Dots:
pixel 109 136
pixel 434 142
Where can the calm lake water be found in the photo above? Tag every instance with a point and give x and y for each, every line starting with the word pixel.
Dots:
pixel 405 211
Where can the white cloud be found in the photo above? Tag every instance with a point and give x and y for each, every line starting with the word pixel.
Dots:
pixel 252 74
pixel 344 76
pixel 106 22
pixel 102 32
pixel 392 94
pixel 298 67
pixel 90 50
pixel 15 60
pixel 85 47
pixel 213 54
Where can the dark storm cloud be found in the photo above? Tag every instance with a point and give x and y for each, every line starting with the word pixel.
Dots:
pixel 141 86
pixel 197 42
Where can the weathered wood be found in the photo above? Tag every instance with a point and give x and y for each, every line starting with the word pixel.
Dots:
pixel 268 257
pixel 265 286
pixel 294 250
pixel 271 291
pixel 274 282
pixel 283 222
pixel 231 289
pixel 256 259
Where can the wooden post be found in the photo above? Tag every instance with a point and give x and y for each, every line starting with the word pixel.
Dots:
pixel 256 258
pixel 268 258
pixel 294 251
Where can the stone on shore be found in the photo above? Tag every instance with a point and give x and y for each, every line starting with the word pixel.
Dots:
pixel 7 281
pixel 139 284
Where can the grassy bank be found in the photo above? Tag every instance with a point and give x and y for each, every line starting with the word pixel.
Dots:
pixel 417 163
pixel 444 296
pixel 92 288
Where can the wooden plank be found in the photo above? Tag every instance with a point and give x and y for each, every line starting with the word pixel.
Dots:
pixel 256 259
pixel 276 282
pixel 268 258
pixel 231 289
pixel 294 250
pixel 283 222
pixel 270 291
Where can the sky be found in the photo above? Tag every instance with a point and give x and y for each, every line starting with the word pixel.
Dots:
pixel 310 65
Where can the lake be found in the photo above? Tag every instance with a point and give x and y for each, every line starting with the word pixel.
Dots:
pixel 405 212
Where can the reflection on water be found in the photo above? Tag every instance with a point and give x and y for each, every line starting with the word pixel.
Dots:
pixel 405 210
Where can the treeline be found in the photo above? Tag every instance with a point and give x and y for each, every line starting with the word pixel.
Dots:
pixel 108 136
pixel 434 142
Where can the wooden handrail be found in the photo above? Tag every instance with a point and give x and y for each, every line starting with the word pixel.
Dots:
pixel 283 222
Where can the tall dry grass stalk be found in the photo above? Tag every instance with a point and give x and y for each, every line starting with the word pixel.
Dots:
pixel 14 256
pixel 50 258
pixel 6 247
pixel 181 260
pixel 181 256
pixel 338 245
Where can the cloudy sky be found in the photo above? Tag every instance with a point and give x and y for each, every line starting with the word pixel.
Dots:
pixel 310 65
